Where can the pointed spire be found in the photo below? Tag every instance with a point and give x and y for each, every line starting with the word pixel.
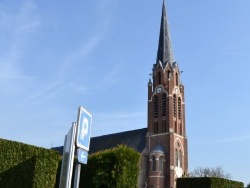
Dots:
pixel 165 52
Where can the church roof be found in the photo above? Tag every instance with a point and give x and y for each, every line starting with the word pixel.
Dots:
pixel 134 139
pixel 165 52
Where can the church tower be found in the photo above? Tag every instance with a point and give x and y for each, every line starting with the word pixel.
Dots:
pixel 166 141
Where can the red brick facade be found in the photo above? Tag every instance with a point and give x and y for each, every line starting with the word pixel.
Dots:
pixel 166 128
pixel 166 141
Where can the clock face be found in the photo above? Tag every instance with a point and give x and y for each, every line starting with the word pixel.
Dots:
pixel 158 89
pixel 177 91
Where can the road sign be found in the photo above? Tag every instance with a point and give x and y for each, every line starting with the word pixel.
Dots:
pixel 82 156
pixel 68 158
pixel 84 122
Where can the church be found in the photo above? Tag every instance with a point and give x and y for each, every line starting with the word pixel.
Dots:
pixel 163 144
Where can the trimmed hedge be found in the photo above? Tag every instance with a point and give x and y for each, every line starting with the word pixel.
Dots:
pixel 117 167
pixel 23 165
pixel 207 182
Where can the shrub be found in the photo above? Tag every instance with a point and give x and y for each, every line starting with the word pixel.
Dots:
pixel 208 182
pixel 117 167
pixel 23 165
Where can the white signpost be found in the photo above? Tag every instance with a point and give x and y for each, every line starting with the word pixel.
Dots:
pixel 68 158
pixel 79 136
pixel 84 122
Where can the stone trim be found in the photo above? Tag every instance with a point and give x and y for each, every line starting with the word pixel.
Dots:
pixel 156 176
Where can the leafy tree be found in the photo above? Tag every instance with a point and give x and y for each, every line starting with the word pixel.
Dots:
pixel 210 172
pixel 248 185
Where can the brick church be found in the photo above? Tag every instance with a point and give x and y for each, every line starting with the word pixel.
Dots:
pixel 163 144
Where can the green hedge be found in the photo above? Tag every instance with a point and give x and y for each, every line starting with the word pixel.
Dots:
pixel 207 182
pixel 23 165
pixel 26 166
pixel 117 167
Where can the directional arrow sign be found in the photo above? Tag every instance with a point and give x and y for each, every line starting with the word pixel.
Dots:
pixel 82 156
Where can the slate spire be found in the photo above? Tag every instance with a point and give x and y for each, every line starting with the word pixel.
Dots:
pixel 165 52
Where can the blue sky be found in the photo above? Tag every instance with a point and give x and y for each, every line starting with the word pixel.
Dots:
pixel 58 55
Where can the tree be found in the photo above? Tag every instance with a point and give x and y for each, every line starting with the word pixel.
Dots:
pixel 248 185
pixel 210 172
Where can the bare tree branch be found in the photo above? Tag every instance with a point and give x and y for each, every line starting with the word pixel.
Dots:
pixel 210 172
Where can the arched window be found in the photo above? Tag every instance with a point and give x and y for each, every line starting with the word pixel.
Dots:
pixel 154 164
pixel 179 108
pixel 176 79
pixel 161 163
pixel 169 75
pixel 164 126
pixel 155 106
pixel 180 129
pixel 176 157
pixel 156 127
pixel 163 104
pixel 175 127
pixel 159 77
pixel 174 105
pixel 180 158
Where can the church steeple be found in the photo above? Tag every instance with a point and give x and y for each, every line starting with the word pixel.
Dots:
pixel 166 139
pixel 165 52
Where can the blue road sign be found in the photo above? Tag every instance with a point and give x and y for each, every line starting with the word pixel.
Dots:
pixel 82 156
pixel 84 122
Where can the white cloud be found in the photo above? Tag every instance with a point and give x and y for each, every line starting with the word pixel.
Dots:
pixel 112 77
pixel 22 23
pixel 27 19
pixel 41 89
pixel 40 94
pixel 77 55
pixel 62 79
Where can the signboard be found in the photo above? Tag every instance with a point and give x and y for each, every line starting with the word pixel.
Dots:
pixel 84 122
pixel 68 158
pixel 82 156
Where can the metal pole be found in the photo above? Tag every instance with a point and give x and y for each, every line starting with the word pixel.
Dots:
pixel 77 175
